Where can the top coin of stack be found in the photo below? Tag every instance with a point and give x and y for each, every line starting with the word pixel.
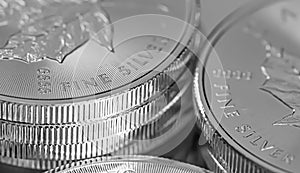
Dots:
pixel 247 91
pixel 78 76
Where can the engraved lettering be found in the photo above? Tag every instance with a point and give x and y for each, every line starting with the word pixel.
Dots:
pixel 222 95
pixel 228 105
pixel 43 71
pixel 265 146
pixel 288 158
pixel 132 66
pixel 140 62
pixel 250 134
pixel 276 153
pixel 65 85
pixel 92 82
pixel 43 77
pixel 254 142
pixel 154 47
pixel 222 87
pixel 44 81
pixel 145 56
pixel 232 114
pixel 222 101
pixel 243 128
pixel 142 58
pixel 229 74
pixel 104 78
pixel 124 70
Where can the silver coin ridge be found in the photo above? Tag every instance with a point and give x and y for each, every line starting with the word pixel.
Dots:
pixel 135 164
pixel 92 70
pixel 242 91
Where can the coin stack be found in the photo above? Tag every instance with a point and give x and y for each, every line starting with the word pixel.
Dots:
pixel 246 90
pixel 87 78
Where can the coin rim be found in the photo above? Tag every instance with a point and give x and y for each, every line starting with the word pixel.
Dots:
pixel 190 22
pixel 221 144
pixel 129 158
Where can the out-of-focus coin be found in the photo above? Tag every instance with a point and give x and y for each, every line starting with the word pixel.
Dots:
pixel 130 164
pixel 71 61
pixel 247 90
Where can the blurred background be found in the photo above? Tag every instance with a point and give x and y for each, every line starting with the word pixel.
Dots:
pixel 215 10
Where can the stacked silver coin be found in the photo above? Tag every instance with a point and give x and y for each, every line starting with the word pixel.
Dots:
pixel 247 89
pixel 87 78
pixel 129 164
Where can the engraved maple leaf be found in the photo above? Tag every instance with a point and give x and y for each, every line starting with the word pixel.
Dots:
pixel 52 29
pixel 282 73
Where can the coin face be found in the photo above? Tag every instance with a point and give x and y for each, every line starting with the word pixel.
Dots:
pixel 248 89
pixel 54 51
pixel 131 164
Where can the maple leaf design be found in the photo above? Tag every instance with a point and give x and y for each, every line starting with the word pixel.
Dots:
pixel 52 29
pixel 283 82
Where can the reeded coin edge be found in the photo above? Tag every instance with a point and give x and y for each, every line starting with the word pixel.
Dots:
pixel 51 114
pixel 80 133
pixel 183 127
pixel 100 108
pixel 227 156
pixel 10 156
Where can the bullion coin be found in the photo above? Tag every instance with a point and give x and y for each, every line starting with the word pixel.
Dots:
pixel 144 126
pixel 130 164
pixel 150 129
pixel 87 59
pixel 83 78
pixel 246 89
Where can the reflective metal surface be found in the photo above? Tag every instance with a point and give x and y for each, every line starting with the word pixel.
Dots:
pixel 86 78
pixel 91 71
pixel 131 164
pixel 246 89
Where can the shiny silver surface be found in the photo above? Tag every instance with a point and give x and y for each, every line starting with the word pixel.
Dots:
pixel 246 91
pixel 131 164
pixel 86 78
pixel 95 83
pixel 91 71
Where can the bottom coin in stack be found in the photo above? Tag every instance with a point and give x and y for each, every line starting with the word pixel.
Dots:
pixel 129 164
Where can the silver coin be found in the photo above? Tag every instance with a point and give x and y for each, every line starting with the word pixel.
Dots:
pixel 131 164
pixel 247 90
pixel 55 61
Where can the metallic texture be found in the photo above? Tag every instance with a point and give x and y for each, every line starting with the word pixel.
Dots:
pixel 86 78
pixel 246 90
pixel 54 93
pixel 130 164
pixel 174 120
